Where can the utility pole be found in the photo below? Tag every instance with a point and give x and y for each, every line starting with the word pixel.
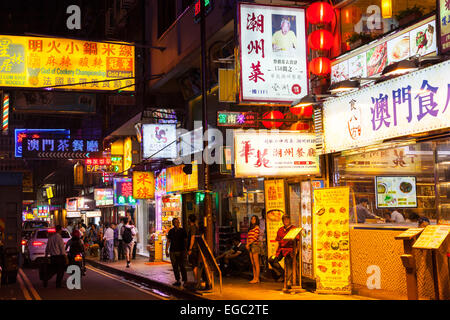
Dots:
pixel 208 197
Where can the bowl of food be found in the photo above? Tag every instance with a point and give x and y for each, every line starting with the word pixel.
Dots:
pixel 381 188
pixel 275 215
pixel 405 187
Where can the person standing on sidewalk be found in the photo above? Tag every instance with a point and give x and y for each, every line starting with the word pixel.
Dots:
pixel 135 241
pixel 128 234
pixel 193 254
pixel 120 246
pixel 109 242
pixel 116 241
pixel 56 250
pixel 176 240
pixel 253 247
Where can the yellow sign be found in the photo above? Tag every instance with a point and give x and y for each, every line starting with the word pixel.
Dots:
pixel 432 237
pixel 177 180
pixel 409 234
pixel 331 238
pixel 49 191
pixel 127 154
pixel 44 62
pixel 275 209
pixel 143 185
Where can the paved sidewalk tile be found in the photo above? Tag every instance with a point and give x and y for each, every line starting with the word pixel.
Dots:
pixel 233 288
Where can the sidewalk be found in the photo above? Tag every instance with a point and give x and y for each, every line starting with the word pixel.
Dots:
pixel 160 274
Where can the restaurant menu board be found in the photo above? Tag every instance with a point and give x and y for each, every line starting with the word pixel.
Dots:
pixel 396 192
pixel 275 209
pixel 444 26
pixel 306 222
pixel 409 234
pixel 331 240
pixel 432 237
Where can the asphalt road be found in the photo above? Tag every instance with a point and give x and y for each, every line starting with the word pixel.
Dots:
pixel 95 285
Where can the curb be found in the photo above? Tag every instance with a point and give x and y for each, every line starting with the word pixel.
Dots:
pixel 177 293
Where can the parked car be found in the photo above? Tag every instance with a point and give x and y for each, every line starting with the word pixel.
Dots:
pixel 35 248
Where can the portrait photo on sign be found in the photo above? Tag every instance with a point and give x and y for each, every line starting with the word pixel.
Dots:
pixel 284 34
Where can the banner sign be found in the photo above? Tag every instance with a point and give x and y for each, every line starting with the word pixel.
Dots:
pixel 71 204
pixel 34 62
pixel 104 197
pixel 413 103
pixel 273 53
pixel 159 141
pixel 275 209
pixel 443 9
pixel 275 153
pixel 245 119
pixel 177 180
pixel 94 165
pixel 331 240
pixel 161 183
pixel 123 192
pixel 20 134
pixel 143 185
pixel 59 148
pixel 370 60
pixel 51 101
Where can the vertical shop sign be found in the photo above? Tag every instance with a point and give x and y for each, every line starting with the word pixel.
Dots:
pixel 273 53
pixel 275 209
pixel 123 192
pixel 127 154
pixel 443 24
pixel 143 185
pixel 306 220
pixel 331 240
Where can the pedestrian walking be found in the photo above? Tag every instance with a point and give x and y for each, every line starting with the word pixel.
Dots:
pixel 176 241
pixel 116 241
pixel 129 231
pixel 109 242
pixel 193 253
pixel 121 251
pixel 253 247
pixel 70 227
pixel 135 241
pixel 58 258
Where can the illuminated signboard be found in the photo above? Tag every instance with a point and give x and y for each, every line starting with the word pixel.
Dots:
pixel 273 53
pixel 143 185
pixel 279 153
pixel 104 197
pixel 159 141
pixel 443 26
pixel 100 165
pixel 34 62
pixel 42 211
pixel 161 181
pixel 197 9
pixel 49 192
pixel 413 103
pixel 177 180
pixel 127 153
pixel 59 148
pixel 123 192
pixel 237 119
pixel 71 204
pixel 20 134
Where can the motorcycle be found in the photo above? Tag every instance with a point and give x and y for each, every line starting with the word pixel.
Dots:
pixel 79 261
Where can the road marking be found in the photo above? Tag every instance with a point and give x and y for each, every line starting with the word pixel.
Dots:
pixel 125 282
pixel 29 285
pixel 24 289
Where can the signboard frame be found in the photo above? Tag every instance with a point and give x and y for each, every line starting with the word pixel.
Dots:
pixel 399 177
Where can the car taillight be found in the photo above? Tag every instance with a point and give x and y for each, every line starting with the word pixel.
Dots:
pixel 51 230
pixel 38 243
pixel 78 257
pixel 24 242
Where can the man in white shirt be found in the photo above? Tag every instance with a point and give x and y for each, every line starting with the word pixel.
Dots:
pixel 109 241
pixel 397 217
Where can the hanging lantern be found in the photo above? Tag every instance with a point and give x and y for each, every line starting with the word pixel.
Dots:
pixel 386 9
pixel 273 115
pixel 320 40
pixel 320 66
pixel 305 111
pixel 320 13
pixel 301 126
pixel 78 174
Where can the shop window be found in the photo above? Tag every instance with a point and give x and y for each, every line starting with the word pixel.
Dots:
pixel 364 20
pixel 443 183
pixel 397 179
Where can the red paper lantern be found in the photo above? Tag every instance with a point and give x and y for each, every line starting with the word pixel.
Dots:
pixel 306 111
pixel 320 12
pixel 273 115
pixel 301 126
pixel 320 40
pixel 320 66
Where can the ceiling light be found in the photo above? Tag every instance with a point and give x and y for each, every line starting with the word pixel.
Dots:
pixel 401 67
pixel 344 86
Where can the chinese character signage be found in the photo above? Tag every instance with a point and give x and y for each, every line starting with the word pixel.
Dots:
pixel 161 183
pixel 370 60
pixel 275 153
pixel 104 197
pixel 159 141
pixel 332 240
pixel 237 119
pixel 94 165
pixel 275 209
pixel 71 204
pixel 177 180
pixel 59 148
pixel 42 211
pixel 143 185
pixel 34 62
pixel 413 103
pixel 20 134
pixel 123 192
pixel 444 25
pixel 273 53
pixel 197 9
